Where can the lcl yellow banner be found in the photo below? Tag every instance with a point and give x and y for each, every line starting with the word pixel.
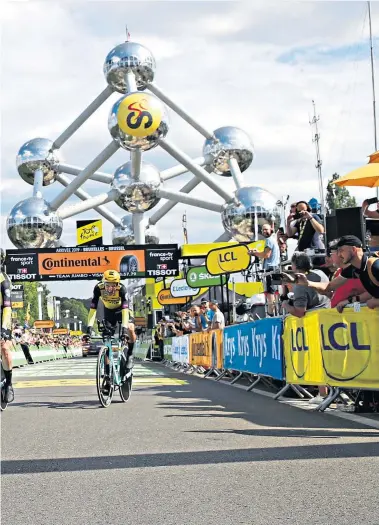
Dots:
pixel 231 259
pixel 328 348
pixel 205 349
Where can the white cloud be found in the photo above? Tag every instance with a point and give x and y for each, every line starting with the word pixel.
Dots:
pixel 226 63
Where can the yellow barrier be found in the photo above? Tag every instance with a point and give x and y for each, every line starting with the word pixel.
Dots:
pixel 328 348
pixel 205 349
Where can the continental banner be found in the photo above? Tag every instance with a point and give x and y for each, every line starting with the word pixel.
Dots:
pixel 84 263
pixel 328 348
pixel 205 349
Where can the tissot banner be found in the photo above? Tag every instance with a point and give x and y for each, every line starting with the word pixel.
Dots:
pixel 82 263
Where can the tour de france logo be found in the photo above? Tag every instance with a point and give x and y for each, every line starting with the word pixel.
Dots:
pixel 139 114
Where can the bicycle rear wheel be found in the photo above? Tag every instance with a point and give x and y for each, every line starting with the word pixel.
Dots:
pixel 105 397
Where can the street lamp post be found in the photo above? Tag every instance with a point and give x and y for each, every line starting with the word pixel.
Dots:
pixel 57 311
pixel 39 291
pixel 67 312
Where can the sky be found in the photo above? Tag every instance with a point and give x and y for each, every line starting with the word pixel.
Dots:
pixel 254 65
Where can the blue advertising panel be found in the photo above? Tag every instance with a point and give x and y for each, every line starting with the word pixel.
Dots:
pixel 255 347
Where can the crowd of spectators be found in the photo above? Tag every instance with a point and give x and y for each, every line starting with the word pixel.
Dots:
pixel 32 339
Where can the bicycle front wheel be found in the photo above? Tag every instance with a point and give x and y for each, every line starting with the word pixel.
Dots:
pixel 104 385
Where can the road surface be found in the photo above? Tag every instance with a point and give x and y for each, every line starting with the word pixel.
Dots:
pixel 182 451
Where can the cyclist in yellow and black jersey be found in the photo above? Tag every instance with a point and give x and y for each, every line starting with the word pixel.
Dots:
pixel 116 309
pixel 6 329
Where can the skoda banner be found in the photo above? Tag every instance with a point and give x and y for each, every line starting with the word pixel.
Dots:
pixel 82 263
pixel 199 277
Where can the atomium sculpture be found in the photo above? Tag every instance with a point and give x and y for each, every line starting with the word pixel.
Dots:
pixel 138 122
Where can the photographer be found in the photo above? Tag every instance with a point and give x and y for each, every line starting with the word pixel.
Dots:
pixel 365 208
pixel 308 227
pixel 304 298
pixel 372 227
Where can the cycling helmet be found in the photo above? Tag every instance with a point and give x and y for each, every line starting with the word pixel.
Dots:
pixel 111 276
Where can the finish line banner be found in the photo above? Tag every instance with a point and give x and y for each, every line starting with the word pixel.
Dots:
pixel 255 347
pixel 328 348
pixel 82 263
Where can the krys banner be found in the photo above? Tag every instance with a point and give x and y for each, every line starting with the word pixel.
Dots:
pixel 328 348
pixel 89 262
pixel 255 347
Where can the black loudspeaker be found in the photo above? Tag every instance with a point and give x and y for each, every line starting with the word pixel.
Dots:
pixel 350 221
pixel 331 228
pixel 150 321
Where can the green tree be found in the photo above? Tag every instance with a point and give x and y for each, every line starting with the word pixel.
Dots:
pixel 338 197
pixel 76 307
pixel 31 298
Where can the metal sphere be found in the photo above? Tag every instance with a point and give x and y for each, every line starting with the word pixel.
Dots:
pixel 127 57
pixel 37 154
pixel 123 234
pixel 32 224
pixel 129 140
pixel 137 194
pixel 228 142
pixel 256 207
pixel 151 235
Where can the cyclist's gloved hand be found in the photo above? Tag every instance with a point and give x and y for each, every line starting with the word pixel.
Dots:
pixel 6 334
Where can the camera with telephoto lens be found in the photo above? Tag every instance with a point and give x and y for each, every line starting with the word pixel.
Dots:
pixel 373 200
pixel 280 278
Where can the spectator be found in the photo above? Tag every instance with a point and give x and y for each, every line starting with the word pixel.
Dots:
pixel 208 311
pixel 372 214
pixel 371 226
pixel 302 302
pixel 290 219
pixel 282 238
pixel 358 265
pixel 308 227
pixel 23 339
pixel 199 321
pixel 305 298
pixel 218 320
pixel 271 261
pixel 352 287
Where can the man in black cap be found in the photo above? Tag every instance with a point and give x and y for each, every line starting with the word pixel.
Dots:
pixel 366 269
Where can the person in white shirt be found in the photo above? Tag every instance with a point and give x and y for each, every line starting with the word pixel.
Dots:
pixel 218 319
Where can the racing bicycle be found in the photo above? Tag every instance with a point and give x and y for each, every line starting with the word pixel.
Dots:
pixel 110 365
